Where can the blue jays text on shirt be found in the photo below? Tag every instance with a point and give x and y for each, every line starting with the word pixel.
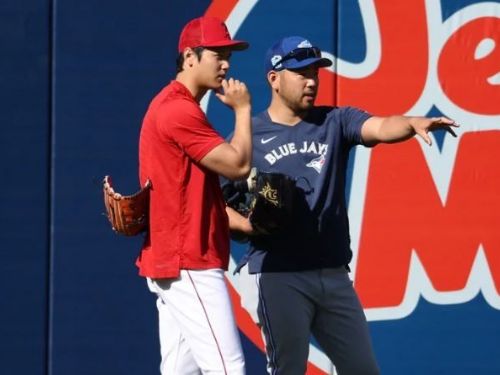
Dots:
pixel 307 147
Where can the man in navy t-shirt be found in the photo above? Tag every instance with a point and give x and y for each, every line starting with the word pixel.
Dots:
pixel 295 282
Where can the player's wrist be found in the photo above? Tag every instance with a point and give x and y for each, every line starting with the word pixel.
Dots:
pixel 245 226
pixel 243 108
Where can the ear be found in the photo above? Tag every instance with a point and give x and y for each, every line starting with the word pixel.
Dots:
pixel 189 56
pixel 273 79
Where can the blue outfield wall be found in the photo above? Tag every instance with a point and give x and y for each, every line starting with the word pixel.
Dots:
pixel 25 171
pixel 76 78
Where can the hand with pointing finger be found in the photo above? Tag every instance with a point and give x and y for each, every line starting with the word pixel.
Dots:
pixel 423 125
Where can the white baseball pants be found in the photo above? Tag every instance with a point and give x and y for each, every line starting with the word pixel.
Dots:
pixel 198 334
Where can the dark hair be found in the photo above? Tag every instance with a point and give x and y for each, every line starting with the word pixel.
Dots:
pixel 180 59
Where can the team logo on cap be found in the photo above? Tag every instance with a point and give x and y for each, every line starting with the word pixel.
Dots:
pixel 304 44
pixel 275 59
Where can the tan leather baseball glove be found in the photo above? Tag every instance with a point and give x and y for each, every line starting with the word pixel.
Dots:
pixel 128 214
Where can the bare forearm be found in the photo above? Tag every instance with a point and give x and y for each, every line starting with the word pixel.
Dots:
pixel 238 222
pixel 233 160
pixel 387 129
pixel 395 129
pixel 242 137
pixel 400 128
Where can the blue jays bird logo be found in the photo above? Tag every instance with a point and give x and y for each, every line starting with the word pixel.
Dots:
pixel 317 163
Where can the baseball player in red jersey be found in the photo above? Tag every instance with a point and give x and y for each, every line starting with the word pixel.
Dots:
pixel 186 250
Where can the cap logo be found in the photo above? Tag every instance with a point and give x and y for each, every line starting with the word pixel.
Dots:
pixel 304 44
pixel 274 60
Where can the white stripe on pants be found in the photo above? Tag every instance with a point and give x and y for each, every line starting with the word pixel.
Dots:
pixel 198 334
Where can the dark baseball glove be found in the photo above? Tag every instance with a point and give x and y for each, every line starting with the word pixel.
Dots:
pixel 266 198
pixel 128 214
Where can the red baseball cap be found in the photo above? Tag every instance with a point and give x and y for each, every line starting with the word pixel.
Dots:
pixel 208 32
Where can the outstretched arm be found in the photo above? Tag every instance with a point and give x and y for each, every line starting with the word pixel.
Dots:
pixel 400 128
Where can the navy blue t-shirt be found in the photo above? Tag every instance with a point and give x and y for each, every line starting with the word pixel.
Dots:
pixel 314 152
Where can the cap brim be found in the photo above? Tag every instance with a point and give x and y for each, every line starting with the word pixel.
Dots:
pixel 321 62
pixel 236 45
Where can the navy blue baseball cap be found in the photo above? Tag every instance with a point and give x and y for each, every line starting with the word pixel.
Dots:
pixel 294 52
